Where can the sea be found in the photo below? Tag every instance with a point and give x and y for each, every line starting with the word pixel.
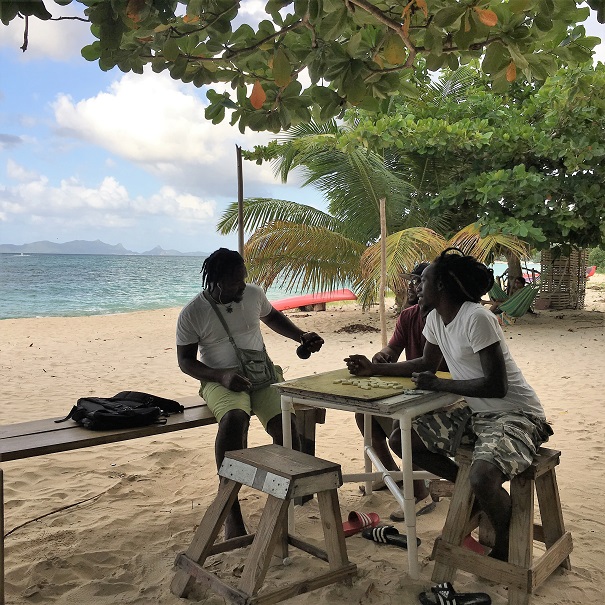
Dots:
pixel 70 285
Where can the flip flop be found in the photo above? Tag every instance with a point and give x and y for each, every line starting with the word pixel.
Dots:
pixel 444 594
pixel 423 507
pixel 387 534
pixel 358 521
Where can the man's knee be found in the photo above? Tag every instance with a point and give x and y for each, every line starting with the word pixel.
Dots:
pixel 485 477
pixel 234 421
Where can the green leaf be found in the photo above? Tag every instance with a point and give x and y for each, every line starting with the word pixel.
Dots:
pixel 171 49
pixel 282 71
pixel 448 16
pixel 92 52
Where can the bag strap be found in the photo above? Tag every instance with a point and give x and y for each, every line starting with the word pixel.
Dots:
pixel 222 319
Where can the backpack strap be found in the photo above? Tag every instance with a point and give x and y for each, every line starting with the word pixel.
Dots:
pixel 71 413
pixel 222 319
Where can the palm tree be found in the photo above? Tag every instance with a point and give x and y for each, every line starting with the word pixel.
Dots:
pixel 309 249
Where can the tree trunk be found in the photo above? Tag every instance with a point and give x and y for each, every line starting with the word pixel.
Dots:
pixel 514 270
pixel 383 271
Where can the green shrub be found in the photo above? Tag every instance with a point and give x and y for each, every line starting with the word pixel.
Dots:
pixel 596 256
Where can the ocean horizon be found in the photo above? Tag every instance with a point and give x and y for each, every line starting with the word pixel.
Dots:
pixel 72 285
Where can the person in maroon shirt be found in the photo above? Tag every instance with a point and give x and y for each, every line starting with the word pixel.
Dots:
pixel 406 337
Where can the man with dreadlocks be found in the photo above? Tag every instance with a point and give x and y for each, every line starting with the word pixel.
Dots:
pixel 230 394
pixel 502 418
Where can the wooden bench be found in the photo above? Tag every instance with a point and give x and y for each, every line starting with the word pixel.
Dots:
pixel 42 437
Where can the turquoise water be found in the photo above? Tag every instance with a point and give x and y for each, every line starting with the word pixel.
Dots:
pixel 67 285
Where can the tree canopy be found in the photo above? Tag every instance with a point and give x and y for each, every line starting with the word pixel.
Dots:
pixel 314 58
pixel 531 163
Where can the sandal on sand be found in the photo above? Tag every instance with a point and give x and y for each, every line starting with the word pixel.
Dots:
pixel 387 534
pixel 423 507
pixel 358 521
pixel 444 594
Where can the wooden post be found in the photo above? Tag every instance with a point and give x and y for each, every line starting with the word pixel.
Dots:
pixel 383 271
pixel 240 201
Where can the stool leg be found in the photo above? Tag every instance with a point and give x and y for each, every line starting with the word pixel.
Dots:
pixel 550 511
pixel 268 533
pixel 331 522
pixel 206 534
pixel 521 534
pixel 458 516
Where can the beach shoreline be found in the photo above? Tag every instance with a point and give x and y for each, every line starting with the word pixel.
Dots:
pixel 140 500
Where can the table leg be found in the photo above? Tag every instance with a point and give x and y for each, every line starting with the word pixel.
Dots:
pixel 409 502
pixel 286 419
pixel 367 442
pixel 1 537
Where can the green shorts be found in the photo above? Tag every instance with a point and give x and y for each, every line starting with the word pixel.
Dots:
pixel 508 440
pixel 265 403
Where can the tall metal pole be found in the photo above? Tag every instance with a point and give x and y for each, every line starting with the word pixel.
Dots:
pixel 240 202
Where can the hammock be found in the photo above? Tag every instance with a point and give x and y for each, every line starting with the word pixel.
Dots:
pixel 518 304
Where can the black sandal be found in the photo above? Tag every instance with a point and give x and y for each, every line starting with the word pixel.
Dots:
pixel 444 594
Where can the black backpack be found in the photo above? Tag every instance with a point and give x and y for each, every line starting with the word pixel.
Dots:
pixel 125 410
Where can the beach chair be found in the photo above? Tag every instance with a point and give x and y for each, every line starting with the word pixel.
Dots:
pixel 518 304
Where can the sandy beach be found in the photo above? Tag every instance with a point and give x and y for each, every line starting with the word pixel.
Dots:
pixel 140 501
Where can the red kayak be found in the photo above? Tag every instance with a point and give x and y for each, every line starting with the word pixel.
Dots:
pixel 313 299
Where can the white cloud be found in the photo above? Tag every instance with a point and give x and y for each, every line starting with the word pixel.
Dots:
pixel 159 124
pixel 59 40
pixel 19 173
pixel 107 205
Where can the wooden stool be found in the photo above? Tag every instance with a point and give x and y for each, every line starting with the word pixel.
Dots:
pixel 282 474
pixel 521 573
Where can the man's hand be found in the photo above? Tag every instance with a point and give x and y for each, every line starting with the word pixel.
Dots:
pixel 233 381
pixel 427 381
pixel 312 341
pixel 382 357
pixel 359 365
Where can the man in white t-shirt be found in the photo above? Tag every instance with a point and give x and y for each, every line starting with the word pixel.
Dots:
pixel 228 392
pixel 503 418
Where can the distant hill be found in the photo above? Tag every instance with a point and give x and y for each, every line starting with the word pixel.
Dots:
pixel 87 247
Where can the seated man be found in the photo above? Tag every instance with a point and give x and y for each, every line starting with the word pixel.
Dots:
pixel 227 389
pixel 502 418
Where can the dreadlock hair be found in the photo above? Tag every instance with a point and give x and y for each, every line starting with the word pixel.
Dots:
pixel 463 277
pixel 219 263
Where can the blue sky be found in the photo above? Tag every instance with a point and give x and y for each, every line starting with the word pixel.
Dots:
pixel 123 158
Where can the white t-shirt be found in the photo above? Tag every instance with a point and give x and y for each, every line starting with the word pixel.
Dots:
pixel 198 323
pixel 474 328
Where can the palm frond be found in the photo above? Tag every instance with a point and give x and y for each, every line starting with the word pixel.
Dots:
pixel 489 247
pixel 260 211
pixel 404 250
pixel 302 257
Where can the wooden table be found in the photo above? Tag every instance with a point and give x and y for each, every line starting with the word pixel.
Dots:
pixel 403 403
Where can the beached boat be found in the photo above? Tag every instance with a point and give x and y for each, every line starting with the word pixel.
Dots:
pixel 313 299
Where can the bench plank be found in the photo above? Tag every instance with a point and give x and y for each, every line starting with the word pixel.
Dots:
pixel 40 437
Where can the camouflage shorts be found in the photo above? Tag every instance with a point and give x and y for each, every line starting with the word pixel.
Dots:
pixel 509 440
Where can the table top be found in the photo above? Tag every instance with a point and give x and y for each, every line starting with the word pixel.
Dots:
pixel 372 394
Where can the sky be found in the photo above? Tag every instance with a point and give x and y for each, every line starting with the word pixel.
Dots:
pixel 124 158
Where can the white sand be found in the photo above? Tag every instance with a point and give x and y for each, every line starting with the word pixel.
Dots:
pixel 146 496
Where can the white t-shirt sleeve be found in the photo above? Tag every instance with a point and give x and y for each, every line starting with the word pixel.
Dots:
pixel 429 328
pixel 185 331
pixel 483 330
pixel 265 306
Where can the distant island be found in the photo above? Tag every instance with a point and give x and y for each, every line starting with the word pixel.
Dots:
pixel 86 247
